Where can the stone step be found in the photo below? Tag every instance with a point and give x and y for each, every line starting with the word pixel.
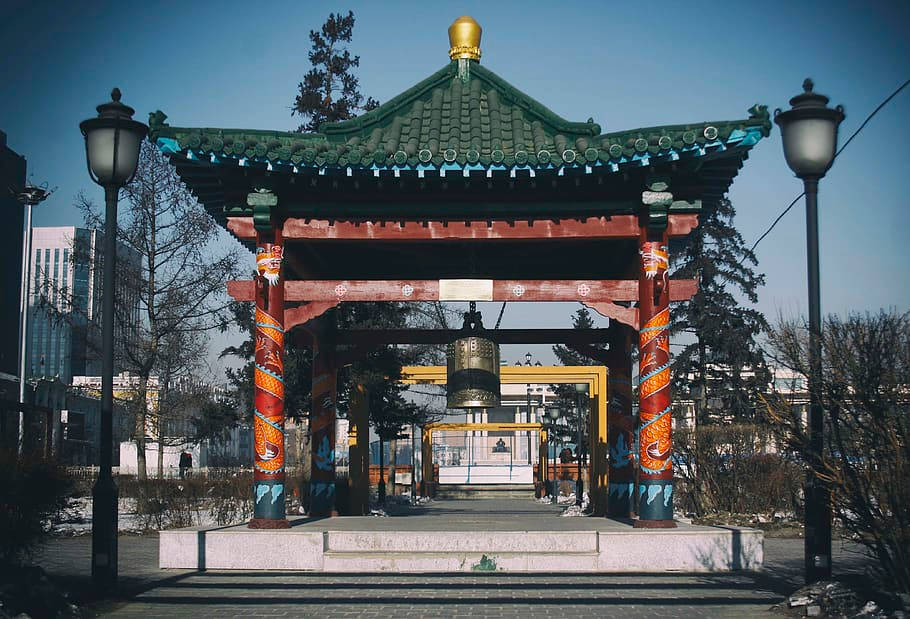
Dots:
pixel 555 542
pixel 460 561
pixel 485 491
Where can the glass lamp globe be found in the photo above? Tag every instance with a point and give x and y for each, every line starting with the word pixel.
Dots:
pixel 809 132
pixel 112 142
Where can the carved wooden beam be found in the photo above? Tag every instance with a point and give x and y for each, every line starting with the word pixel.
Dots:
pixel 607 227
pixel 625 315
pixel 591 292
pixel 680 290
pixel 295 316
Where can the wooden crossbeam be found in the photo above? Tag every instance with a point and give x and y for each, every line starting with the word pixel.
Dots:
pixel 489 427
pixel 607 227
pixel 589 292
pixel 382 337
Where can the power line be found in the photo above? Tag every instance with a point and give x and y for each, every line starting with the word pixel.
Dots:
pixel 839 151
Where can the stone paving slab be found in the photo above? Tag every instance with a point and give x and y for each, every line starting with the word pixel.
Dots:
pixel 147 591
pixel 515 535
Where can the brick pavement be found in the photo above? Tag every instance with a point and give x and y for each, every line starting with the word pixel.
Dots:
pixel 150 592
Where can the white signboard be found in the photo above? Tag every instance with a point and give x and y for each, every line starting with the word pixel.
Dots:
pixel 466 290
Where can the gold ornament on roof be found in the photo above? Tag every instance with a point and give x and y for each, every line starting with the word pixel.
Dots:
pixel 464 38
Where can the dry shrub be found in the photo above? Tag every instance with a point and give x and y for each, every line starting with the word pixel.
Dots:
pixel 172 503
pixel 722 469
pixel 865 398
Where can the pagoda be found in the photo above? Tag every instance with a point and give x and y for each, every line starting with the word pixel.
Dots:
pixel 463 188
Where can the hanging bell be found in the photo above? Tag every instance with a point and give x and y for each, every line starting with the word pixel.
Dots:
pixel 472 366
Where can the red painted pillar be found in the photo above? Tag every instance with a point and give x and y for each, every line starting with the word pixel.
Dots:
pixel 322 424
pixel 620 502
pixel 655 442
pixel 268 416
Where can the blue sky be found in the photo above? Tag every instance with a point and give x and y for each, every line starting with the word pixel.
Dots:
pixel 627 65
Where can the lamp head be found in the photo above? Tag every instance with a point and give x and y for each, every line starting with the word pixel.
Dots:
pixel 112 142
pixel 809 132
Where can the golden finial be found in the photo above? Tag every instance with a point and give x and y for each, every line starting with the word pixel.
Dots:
pixel 464 38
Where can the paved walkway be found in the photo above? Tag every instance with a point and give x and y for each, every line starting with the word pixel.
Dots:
pixel 149 592
pixel 473 515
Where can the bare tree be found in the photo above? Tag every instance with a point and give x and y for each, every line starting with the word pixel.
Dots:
pixel 866 400
pixel 179 281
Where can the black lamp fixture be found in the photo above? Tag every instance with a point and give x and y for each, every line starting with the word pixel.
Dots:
pixel 112 143
pixel 809 133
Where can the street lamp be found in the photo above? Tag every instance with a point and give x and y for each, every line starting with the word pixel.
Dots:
pixel 553 413
pixel 112 142
pixel 581 391
pixel 527 362
pixel 29 196
pixel 809 133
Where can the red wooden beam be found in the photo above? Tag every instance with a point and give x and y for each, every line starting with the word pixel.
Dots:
pixel 294 316
pixel 625 315
pixel 587 291
pixel 612 227
pixel 382 337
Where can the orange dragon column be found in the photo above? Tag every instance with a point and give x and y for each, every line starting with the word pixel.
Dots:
pixel 622 460
pixel 655 444
pixel 322 481
pixel 268 416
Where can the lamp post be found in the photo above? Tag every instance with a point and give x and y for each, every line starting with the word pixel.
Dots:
pixel 527 362
pixel 29 196
pixel 581 391
pixel 553 413
pixel 112 142
pixel 809 133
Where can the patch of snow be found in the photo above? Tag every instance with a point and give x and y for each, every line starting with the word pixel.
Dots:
pixel 76 518
pixel 574 510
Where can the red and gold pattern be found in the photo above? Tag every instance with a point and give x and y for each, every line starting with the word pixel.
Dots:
pixel 655 259
pixel 268 439
pixel 656 328
pixel 270 328
pixel 268 262
pixel 655 443
pixel 652 385
pixel 268 420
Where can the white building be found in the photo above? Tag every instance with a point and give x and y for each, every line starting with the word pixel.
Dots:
pixel 173 430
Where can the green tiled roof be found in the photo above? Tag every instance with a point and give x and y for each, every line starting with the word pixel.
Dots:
pixel 462 116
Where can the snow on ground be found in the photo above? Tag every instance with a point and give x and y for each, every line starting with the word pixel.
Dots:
pixel 76 519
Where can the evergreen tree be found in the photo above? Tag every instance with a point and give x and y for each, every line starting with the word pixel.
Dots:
pixel 725 357
pixel 330 91
pixel 566 393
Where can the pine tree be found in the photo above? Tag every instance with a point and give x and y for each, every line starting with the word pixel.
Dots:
pixel 330 91
pixel 725 357
pixel 566 393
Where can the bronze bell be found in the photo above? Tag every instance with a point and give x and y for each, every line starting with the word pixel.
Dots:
pixel 472 366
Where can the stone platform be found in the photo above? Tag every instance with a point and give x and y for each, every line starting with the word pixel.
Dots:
pixel 487 473
pixel 464 536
